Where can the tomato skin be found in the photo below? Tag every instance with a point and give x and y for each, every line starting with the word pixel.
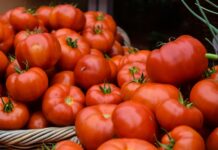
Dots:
pixel 95 95
pixel 37 121
pixel 212 140
pixel 116 49
pixel 5 17
pixel 96 52
pixel 3 63
pixel 134 120
pixel 11 67
pixel 128 89
pixel 39 50
pixel 67 16
pixel 124 144
pixel 67 145
pixel 62 100
pixel 185 138
pixel 204 95
pixel 152 94
pixel 27 86
pixel 169 63
pixel 64 77
pixel 91 70
pixel 43 13
pixel 91 117
pixel 16 119
pixel 63 31
pixel 116 59
pixel 21 19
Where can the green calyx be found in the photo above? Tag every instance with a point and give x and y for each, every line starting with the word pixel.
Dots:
pixel 132 50
pixel 72 43
pixel 7 107
pixel 69 100
pixel 98 29
pixel 31 11
pixel 104 89
pixel 209 72
pixel 100 17
pixel 140 80
pixel 185 103
pixel 167 146
pixel 19 70
pixel 133 70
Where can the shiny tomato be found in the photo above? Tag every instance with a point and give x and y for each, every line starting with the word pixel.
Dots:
pixel 94 125
pixel 116 49
pixel 61 103
pixel 27 85
pixel 134 120
pixel 63 31
pixel 37 121
pixel 39 50
pixel 67 145
pixel 126 144
pixel 3 63
pixel 13 115
pixel 104 93
pixel 64 77
pixel 67 16
pixel 212 139
pixel 91 70
pixel 182 138
pixel 43 14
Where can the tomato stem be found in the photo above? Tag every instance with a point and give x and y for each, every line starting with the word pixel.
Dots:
pixel 211 56
pixel 107 56
pixel 98 29
pixel 100 17
pixel 209 72
pixel 133 70
pixel 72 43
pixel 11 58
pixel 7 107
pixel 104 89
pixel 132 50
pixel 167 146
pixel 31 10
pixel 185 103
pixel 141 79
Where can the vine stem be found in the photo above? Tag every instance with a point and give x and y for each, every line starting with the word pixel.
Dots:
pixel 212 4
pixel 208 10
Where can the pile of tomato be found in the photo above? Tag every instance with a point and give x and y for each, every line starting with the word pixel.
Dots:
pixel 60 66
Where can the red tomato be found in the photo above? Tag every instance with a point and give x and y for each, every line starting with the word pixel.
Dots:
pixel 204 95
pixel 63 31
pixel 5 17
pixel 64 77
pixel 126 144
pixel 152 94
pixel 37 121
pixel 169 63
pixel 11 66
pixel 96 52
pixel 91 70
pixel 116 49
pixel 104 93
pixel 94 125
pixel 67 145
pixel 116 59
pixel 182 138
pixel 13 115
pixel 212 143
pixel 67 16
pixel 134 120
pixel 27 85
pixel 61 103
pixel 3 63
pixel 43 13
pixel 39 50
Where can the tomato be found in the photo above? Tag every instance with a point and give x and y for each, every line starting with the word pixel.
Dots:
pixel 94 18
pixel 204 95
pixel 152 94
pixel 62 100
pixel 113 68
pixel 73 47
pixel 13 115
pixel 104 93
pixel 37 121
pixel 91 70
pixel 27 85
pixel 3 63
pixel 64 77
pixel 96 52
pixel 22 18
pixel 99 38
pixel 6 37
pixel 116 49
pixel 126 144
pixel 43 13
pixel 39 50
pixel 116 59
pixel 182 138
pixel 5 17
pixel 130 72
pixel 67 145
pixel 11 66
pixel 94 125
pixel 63 31
pixel 214 74
pixel 169 63
pixel 180 111
pixel 212 140
pixel 67 16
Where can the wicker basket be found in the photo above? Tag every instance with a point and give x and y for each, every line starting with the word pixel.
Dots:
pixel 33 139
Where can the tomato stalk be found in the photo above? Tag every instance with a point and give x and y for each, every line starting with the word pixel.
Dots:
pixel 7 107
pixel 69 100
pixel 19 71
pixel 100 17
pixel 132 50
pixel 11 58
pixel 98 29
pixel 72 43
pixel 211 56
pixel 209 72
pixel 31 10
pixel 104 89
pixel 167 146
pixel 140 80
pixel 185 103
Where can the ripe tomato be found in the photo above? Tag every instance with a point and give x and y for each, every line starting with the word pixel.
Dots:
pixel 40 50
pixel 13 115
pixel 43 14
pixel 3 63
pixel 94 125
pixel 116 49
pixel 91 70
pixel 204 95
pixel 67 16
pixel 5 17
pixel 212 143
pixel 67 145
pixel 96 52
pixel 61 103
pixel 64 77
pixel 63 31
pixel 134 120
pixel 182 138
pixel 104 93
pixel 37 121
pixel 126 144
pixel 117 59
pixel 11 66
pixel 27 85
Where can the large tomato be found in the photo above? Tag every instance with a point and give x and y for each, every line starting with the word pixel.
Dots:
pixel 134 120
pixel 64 77
pixel 61 103
pixel 73 47
pixel 43 14
pixel 37 121
pixel 104 93
pixel 67 145
pixel 3 63
pixel 182 138
pixel 169 63
pixel 126 144
pixel 94 125
pixel 67 16
pixel 91 70
pixel 27 85
pixel 40 50
pixel 204 95
pixel 212 139
pixel 13 115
